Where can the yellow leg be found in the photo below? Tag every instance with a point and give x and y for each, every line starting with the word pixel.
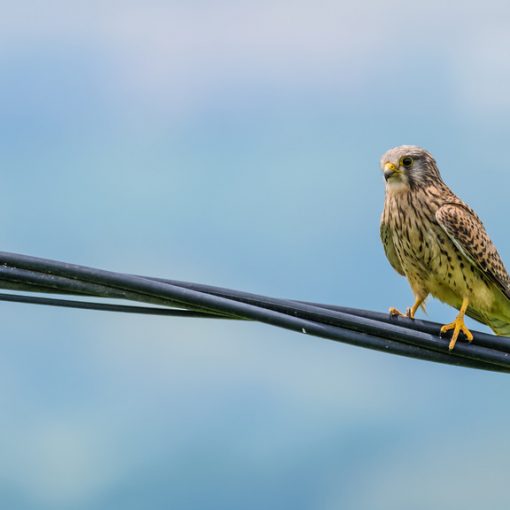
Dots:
pixel 410 312
pixel 458 325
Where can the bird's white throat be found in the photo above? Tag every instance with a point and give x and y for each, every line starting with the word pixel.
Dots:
pixel 396 186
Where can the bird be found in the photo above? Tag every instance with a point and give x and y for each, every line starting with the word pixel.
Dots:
pixel 440 245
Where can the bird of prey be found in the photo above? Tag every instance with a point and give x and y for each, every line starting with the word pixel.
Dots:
pixel 440 245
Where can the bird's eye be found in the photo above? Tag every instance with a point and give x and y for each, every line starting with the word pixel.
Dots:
pixel 407 161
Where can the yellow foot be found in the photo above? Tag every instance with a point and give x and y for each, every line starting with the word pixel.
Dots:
pixel 396 313
pixel 457 325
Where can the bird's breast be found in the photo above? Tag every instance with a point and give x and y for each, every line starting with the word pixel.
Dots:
pixel 429 259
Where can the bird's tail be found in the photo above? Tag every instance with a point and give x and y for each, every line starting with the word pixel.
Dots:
pixel 500 327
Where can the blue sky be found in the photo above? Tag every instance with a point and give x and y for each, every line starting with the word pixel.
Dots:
pixel 237 144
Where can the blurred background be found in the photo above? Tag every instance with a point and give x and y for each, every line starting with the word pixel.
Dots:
pixel 237 144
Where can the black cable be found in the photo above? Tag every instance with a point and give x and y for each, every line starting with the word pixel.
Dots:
pixel 32 281
pixel 106 307
pixel 293 307
pixel 28 279
pixel 492 341
pixel 319 320
pixel 351 337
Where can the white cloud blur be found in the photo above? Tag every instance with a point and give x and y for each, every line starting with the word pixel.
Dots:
pixel 176 55
pixel 461 467
pixel 482 69
pixel 57 465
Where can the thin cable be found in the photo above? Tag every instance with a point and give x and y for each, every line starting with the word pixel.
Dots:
pixel 106 307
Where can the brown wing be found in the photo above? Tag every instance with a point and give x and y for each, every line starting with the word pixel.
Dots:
pixel 389 249
pixel 467 232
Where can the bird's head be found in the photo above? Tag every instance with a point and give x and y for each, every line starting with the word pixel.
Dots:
pixel 408 167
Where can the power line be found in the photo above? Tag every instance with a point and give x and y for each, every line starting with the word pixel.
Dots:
pixel 416 339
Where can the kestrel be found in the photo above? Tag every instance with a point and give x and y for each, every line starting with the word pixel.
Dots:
pixel 440 245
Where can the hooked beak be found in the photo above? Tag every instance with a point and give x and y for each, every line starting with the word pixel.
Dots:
pixel 389 170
